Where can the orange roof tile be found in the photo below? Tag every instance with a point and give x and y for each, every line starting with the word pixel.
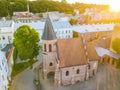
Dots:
pixel 71 52
pixel 92 54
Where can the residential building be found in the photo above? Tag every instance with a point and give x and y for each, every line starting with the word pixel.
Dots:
pixel 98 34
pixel 66 58
pixel 57 16
pixel 63 29
pixel 6 33
pixel 25 17
pixel 8 50
pixel 3 72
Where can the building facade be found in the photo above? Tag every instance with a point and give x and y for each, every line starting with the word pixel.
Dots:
pixel 3 72
pixel 6 33
pixel 63 29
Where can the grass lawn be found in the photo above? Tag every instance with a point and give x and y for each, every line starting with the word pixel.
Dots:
pixel 19 67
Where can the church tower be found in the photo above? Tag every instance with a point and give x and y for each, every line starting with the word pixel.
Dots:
pixel 49 40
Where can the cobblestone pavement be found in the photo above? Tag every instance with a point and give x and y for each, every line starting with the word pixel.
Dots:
pixel 107 78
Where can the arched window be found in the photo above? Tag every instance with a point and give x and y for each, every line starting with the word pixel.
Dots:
pixel 67 73
pixel 50 48
pixel 108 60
pixel 45 47
pixel 89 66
pixel 112 62
pixel 3 38
pixel 78 71
pixel 51 64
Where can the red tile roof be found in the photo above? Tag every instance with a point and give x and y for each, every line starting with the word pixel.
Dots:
pixel 92 54
pixel 71 52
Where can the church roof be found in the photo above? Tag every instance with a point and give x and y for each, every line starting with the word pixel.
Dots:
pixel 71 52
pixel 92 54
pixel 48 33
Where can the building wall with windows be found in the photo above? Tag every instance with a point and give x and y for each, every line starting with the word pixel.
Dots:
pixel 3 72
pixel 64 33
pixel 71 75
pixel 5 38
pixel 49 56
pixel 6 33
pixel 63 29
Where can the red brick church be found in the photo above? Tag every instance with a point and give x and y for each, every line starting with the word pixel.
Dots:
pixel 71 60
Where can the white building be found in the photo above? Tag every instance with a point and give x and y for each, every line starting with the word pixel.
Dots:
pixel 6 33
pixel 57 16
pixel 93 28
pixel 63 29
pixel 3 72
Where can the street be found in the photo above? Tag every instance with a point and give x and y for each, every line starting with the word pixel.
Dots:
pixel 107 78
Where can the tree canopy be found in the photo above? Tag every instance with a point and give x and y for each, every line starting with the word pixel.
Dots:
pixel 116 45
pixel 26 41
pixel 42 6
pixel 73 21
pixel 75 34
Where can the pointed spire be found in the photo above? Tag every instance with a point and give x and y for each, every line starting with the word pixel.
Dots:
pixel 28 9
pixel 48 33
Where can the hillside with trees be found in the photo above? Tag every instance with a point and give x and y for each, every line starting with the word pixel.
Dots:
pixel 10 6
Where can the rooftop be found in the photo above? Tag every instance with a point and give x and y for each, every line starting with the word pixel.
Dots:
pixel 71 52
pixel 93 28
pixel 92 54
pixel 48 33
pixel 102 51
pixel 39 25
pixel 6 23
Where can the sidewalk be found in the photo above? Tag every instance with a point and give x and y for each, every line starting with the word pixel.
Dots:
pixel 24 81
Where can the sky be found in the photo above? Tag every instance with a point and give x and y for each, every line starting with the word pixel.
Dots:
pixel 93 1
pixel 114 4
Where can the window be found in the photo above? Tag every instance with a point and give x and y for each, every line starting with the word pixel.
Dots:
pixel 0 68
pixel 69 31
pixel 50 48
pixel 45 47
pixel 51 64
pixel 3 77
pixel 112 62
pixel 3 38
pixel 67 73
pixel 78 71
pixel 3 62
pixel 68 36
pixel 9 39
pixel 0 45
pixel 89 66
pixel 6 69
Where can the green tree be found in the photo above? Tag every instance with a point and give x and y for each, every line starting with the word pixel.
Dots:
pixel 40 15
pixel 64 1
pixel 73 21
pixel 75 34
pixel 26 41
pixel 116 45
